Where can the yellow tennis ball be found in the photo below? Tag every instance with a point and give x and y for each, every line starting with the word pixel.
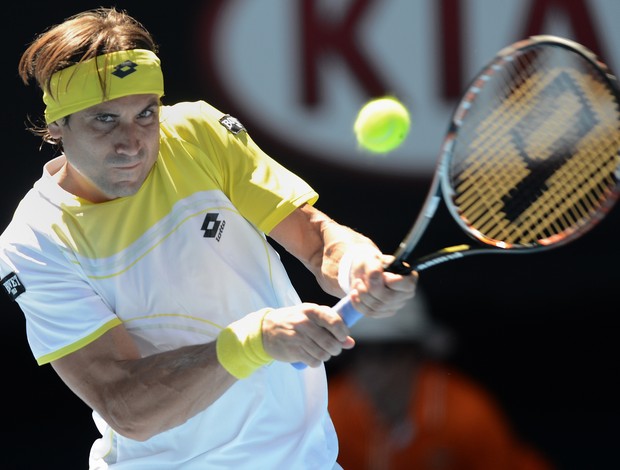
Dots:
pixel 382 125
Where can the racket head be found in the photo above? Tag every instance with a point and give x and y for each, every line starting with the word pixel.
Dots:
pixel 532 156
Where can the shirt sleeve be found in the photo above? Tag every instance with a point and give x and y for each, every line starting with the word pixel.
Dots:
pixel 263 190
pixel 64 312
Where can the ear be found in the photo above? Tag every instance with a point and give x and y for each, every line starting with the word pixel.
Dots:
pixel 55 130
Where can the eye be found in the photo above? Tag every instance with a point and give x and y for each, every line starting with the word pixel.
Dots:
pixel 149 112
pixel 105 117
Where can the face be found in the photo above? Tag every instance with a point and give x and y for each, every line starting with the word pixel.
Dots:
pixel 110 148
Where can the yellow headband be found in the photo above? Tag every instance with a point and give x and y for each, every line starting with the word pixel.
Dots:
pixel 82 85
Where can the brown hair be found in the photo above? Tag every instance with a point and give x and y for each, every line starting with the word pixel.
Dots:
pixel 80 37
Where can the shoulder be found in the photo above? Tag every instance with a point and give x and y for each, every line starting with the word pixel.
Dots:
pixel 189 110
pixel 187 119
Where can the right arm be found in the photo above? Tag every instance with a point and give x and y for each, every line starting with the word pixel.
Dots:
pixel 140 397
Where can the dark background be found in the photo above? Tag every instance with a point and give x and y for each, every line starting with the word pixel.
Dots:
pixel 539 331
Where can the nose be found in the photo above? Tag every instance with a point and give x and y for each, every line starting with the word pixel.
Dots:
pixel 127 139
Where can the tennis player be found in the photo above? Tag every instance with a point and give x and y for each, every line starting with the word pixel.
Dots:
pixel 141 263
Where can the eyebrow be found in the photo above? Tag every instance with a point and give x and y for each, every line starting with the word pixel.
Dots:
pixel 102 108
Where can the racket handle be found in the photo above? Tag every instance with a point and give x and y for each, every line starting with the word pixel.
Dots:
pixel 350 316
pixel 345 309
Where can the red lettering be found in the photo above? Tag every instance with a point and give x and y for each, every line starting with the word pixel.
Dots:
pixel 321 37
pixel 451 66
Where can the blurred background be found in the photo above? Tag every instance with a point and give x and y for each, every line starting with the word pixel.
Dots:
pixel 538 331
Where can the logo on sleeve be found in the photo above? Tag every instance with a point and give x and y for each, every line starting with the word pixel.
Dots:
pixel 13 286
pixel 232 124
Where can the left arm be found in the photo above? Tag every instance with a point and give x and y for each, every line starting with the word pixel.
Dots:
pixel 320 243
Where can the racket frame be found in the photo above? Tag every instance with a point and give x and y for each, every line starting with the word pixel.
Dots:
pixel 441 189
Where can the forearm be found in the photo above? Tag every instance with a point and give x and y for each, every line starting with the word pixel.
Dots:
pixel 186 380
pixel 143 397
pixel 337 240
pixel 319 243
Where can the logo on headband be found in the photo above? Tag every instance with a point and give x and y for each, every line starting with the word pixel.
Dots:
pixel 232 124
pixel 126 68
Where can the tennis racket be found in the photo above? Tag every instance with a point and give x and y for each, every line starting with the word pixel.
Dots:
pixel 531 159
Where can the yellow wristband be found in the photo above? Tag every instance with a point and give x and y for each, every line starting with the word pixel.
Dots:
pixel 239 346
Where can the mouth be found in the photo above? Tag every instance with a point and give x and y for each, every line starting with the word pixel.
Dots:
pixel 128 166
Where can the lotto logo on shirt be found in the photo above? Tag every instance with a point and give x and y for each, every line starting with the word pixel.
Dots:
pixel 212 227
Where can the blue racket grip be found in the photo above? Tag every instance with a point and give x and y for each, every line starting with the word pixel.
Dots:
pixel 349 315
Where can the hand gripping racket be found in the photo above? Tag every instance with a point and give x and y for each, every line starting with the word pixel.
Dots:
pixel 531 158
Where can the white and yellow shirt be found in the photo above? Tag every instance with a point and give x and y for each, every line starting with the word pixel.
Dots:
pixel 175 263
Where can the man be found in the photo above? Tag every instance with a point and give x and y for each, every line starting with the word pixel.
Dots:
pixel 141 263
pixel 397 405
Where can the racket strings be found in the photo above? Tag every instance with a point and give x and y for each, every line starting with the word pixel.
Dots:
pixel 542 159
pixel 497 161
pixel 491 144
pixel 577 189
pixel 511 81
